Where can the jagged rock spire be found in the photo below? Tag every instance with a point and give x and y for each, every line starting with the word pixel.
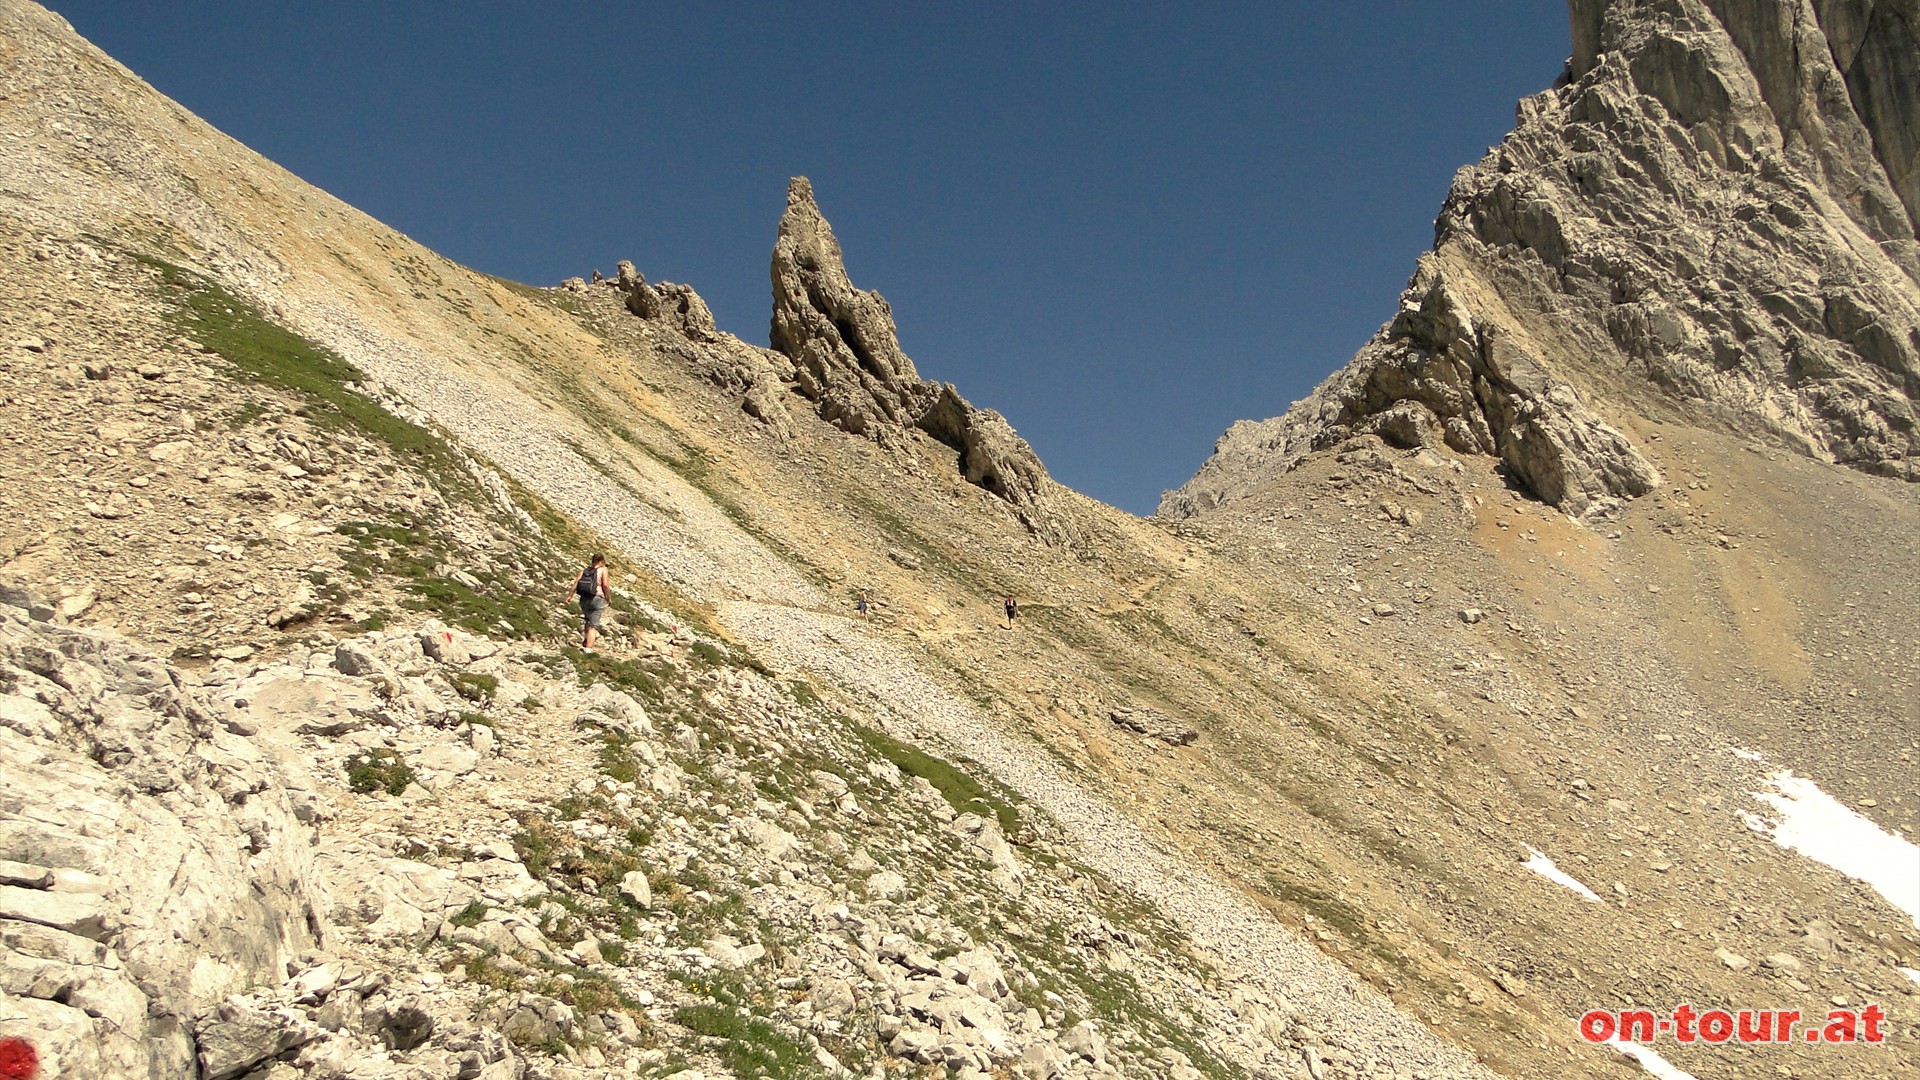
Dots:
pixel 847 358
pixel 841 338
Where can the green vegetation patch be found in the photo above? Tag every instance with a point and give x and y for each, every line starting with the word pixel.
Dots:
pixel 378 769
pixel 644 677
pixel 256 348
pixel 750 1046
pixel 474 686
pixel 410 552
pixel 618 762
pixel 967 795
pixel 546 849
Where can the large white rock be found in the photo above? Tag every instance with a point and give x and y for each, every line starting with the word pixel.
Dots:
pixel 634 887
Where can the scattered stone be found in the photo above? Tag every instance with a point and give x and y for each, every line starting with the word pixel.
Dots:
pixel 634 887
pixel 1512 984
pixel 352 658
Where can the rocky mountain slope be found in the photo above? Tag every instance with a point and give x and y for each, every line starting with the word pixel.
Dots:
pixel 304 778
pixel 1711 219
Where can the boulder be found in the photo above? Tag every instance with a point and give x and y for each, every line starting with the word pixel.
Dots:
pixel 1158 725
pixel 1085 1041
pixel 444 645
pixel 354 658
pixel 241 1035
pixel 617 711
pixel 731 954
pixel 635 888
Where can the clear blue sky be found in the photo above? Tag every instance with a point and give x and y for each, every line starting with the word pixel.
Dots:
pixel 1123 225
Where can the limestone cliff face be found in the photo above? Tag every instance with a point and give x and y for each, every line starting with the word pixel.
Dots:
pixel 1712 216
pixel 847 359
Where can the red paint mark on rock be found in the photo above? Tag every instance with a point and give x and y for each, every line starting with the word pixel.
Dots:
pixel 18 1060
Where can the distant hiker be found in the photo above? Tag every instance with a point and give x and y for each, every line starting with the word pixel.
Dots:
pixel 591 590
pixel 861 604
pixel 1013 609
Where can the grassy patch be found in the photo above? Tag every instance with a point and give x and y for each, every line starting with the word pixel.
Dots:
pixel 535 845
pixel 482 971
pixel 709 654
pixel 618 762
pixel 963 792
pixel 750 1046
pixel 410 552
pixel 470 915
pixel 378 769
pixel 643 677
pixel 474 686
pixel 258 349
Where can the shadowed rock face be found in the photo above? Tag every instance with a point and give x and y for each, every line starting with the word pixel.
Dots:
pixel 1712 216
pixel 847 359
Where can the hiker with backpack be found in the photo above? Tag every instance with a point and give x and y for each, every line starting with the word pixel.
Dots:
pixel 590 588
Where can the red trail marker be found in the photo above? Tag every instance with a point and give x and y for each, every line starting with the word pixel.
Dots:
pixel 18 1059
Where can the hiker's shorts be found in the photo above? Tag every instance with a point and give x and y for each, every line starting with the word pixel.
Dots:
pixel 593 608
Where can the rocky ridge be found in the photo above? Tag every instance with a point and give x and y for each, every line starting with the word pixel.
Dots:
pixel 847 359
pixel 1709 217
pixel 835 346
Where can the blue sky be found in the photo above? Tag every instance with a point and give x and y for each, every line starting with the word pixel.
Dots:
pixel 1123 225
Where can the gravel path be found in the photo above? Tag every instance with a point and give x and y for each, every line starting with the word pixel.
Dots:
pixel 1217 917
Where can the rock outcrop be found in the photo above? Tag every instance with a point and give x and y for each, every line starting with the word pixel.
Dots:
pixel 835 345
pixel 847 360
pixel 1710 218
pixel 841 338
pixel 171 865
pixel 758 376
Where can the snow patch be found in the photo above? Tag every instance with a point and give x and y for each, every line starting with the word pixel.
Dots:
pixel 1650 1061
pixel 1822 828
pixel 1747 755
pixel 1911 974
pixel 1543 866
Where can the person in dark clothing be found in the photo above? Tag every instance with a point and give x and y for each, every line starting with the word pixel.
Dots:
pixel 1013 609
pixel 590 588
